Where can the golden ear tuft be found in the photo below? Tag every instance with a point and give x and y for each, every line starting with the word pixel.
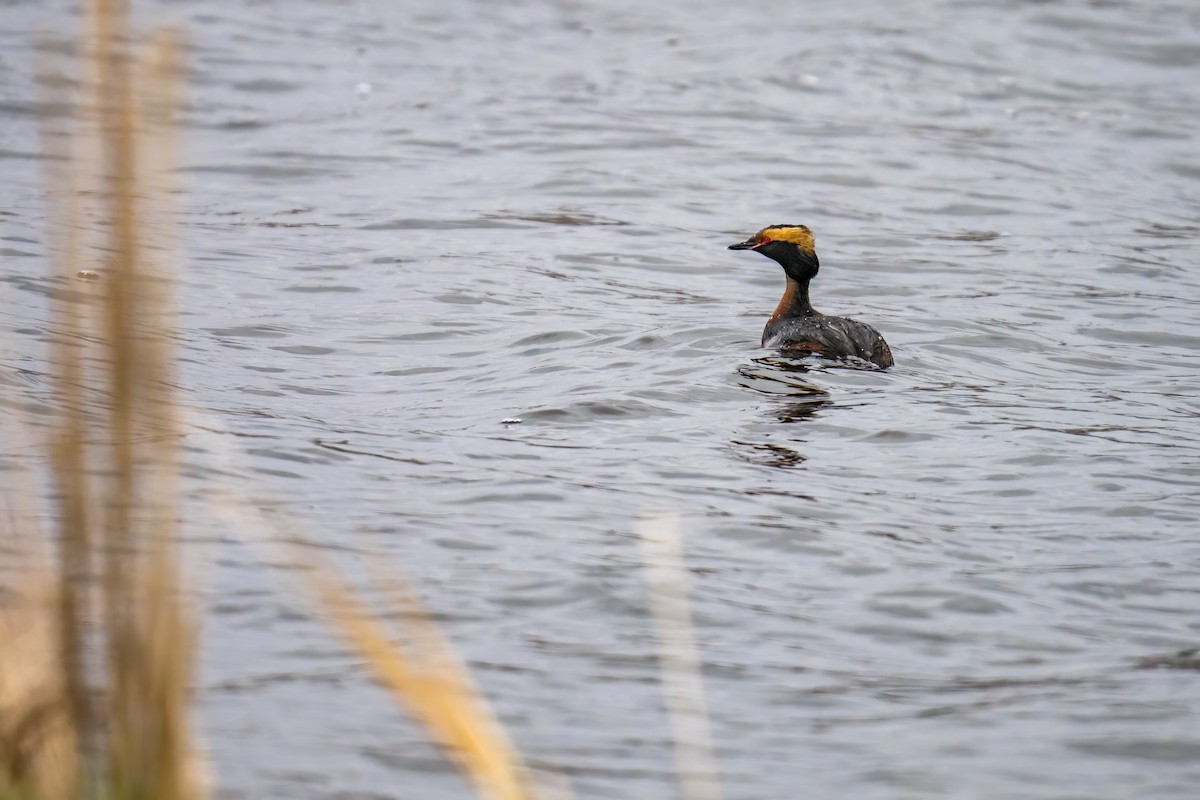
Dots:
pixel 798 235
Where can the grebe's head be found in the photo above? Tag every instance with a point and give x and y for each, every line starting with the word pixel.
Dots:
pixel 790 245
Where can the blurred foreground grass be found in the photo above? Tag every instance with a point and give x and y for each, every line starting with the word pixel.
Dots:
pixel 97 646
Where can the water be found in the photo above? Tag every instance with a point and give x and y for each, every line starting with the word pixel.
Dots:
pixel 972 576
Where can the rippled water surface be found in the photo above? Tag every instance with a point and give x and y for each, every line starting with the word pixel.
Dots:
pixel 976 575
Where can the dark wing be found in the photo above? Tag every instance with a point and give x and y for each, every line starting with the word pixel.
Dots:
pixel 835 337
pixel 867 343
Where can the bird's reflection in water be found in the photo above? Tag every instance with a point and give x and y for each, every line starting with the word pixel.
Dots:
pixel 767 455
pixel 785 379
pixel 800 411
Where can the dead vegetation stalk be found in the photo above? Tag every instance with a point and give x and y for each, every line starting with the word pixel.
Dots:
pixel 98 650
pixel 106 702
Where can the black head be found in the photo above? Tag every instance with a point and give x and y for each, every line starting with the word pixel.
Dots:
pixel 790 245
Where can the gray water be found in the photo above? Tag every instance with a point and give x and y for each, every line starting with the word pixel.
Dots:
pixel 976 575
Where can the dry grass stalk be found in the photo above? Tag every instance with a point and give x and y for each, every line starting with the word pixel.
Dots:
pixel 126 735
pixel 683 688
pixel 37 740
pixel 423 673
pixel 428 678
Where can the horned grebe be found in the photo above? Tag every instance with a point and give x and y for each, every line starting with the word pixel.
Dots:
pixel 796 325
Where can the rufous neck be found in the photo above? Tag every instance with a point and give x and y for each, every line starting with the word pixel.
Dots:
pixel 795 302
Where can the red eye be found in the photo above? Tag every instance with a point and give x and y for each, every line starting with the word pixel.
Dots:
pixel 765 240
